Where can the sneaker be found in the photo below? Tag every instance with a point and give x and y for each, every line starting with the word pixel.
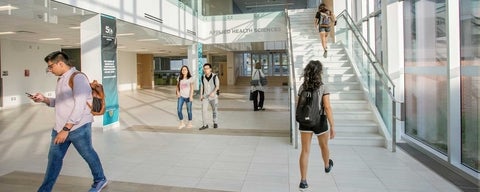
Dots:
pixel 189 125
pixel 215 125
pixel 182 125
pixel 303 186
pixel 203 127
pixel 325 54
pixel 330 165
pixel 98 186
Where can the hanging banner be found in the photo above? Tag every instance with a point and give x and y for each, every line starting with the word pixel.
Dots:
pixel 109 68
pixel 200 63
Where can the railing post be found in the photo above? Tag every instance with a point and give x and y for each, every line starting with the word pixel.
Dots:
pixel 394 126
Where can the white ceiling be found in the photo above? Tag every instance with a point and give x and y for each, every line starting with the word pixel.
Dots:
pixel 35 21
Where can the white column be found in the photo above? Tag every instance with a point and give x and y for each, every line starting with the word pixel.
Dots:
pixel 393 49
pixel 91 54
pixel 193 63
pixel 454 97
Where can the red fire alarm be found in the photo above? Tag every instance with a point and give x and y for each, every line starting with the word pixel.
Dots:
pixel 27 72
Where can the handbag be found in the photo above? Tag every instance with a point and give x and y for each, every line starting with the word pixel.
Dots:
pixel 254 82
pixel 251 96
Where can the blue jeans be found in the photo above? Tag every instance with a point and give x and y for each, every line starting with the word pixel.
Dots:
pixel 81 139
pixel 180 102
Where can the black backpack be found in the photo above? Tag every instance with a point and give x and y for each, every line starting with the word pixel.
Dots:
pixel 308 110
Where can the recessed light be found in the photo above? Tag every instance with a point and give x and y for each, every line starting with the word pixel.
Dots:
pixel 147 39
pixel 7 33
pixel 76 27
pixel 7 7
pixel 51 39
pixel 125 34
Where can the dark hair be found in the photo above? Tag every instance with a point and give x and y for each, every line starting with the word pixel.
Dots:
pixel 57 56
pixel 312 75
pixel 210 65
pixel 322 7
pixel 188 73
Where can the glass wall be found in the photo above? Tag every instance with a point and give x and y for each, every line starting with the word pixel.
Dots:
pixel 426 72
pixel 273 63
pixel 470 81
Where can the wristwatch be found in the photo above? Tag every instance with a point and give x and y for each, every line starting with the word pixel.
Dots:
pixel 65 129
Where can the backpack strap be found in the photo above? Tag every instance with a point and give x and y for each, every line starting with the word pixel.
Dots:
pixel 70 81
pixel 214 81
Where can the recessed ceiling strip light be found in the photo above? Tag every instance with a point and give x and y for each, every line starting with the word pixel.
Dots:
pixel 7 7
pixel 51 39
pixel 125 34
pixel 147 39
pixel 7 33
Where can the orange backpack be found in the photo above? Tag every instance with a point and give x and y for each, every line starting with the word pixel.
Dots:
pixel 98 103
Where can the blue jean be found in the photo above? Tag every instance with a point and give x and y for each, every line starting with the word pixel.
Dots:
pixel 180 102
pixel 81 139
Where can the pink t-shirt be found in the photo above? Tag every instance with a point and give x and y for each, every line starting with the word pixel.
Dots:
pixel 185 87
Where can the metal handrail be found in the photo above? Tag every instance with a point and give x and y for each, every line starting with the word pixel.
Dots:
pixel 291 83
pixel 384 77
pixel 368 50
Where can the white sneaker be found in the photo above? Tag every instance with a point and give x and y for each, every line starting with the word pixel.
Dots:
pixel 189 125
pixel 182 125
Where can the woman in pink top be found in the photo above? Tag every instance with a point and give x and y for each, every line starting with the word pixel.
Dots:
pixel 185 95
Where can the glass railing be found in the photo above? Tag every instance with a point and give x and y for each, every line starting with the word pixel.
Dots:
pixel 374 79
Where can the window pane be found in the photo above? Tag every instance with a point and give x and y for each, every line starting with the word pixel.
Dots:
pixel 470 81
pixel 426 72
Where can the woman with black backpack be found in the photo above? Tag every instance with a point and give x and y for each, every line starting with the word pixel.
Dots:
pixel 312 76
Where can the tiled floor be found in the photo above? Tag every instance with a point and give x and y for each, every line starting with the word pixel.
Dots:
pixel 184 160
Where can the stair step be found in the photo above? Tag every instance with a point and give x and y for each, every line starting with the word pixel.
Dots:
pixel 335 78
pixel 339 71
pixel 344 86
pixel 347 95
pixel 344 105
pixel 357 139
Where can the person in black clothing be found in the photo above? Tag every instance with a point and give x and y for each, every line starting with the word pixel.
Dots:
pixel 258 89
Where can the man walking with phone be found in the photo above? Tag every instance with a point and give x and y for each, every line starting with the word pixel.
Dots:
pixel 73 122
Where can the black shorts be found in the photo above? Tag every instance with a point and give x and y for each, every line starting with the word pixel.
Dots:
pixel 317 130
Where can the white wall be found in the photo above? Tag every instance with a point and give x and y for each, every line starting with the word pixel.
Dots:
pixel 127 71
pixel 176 21
pixel 18 56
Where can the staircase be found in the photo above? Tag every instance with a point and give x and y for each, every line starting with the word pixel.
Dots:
pixel 355 123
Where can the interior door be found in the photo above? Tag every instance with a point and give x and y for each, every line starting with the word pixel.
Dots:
pixel 223 73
